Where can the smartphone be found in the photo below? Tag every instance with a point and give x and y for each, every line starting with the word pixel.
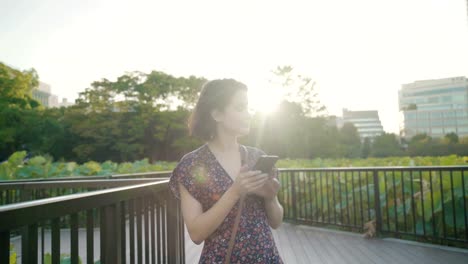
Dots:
pixel 265 163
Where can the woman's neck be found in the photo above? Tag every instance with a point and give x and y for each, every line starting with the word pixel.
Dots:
pixel 224 143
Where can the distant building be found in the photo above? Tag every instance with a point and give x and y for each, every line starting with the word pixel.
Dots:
pixel 65 103
pixel 367 123
pixel 53 101
pixel 43 94
pixel 435 107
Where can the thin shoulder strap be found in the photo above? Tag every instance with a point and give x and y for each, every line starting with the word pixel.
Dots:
pixel 227 260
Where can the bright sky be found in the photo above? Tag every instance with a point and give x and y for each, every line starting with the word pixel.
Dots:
pixel 359 52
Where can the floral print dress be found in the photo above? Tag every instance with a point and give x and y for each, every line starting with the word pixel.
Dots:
pixel 206 180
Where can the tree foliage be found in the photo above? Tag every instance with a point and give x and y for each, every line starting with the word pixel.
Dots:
pixel 144 116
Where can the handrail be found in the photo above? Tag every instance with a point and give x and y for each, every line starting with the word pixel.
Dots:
pixel 145 213
pixel 14 192
pixel 154 174
pixel 74 184
pixel 19 214
pixel 391 168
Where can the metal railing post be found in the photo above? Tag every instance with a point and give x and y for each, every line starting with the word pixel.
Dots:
pixel 110 227
pixel 5 247
pixel 293 195
pixel 378 213
pixel 173 247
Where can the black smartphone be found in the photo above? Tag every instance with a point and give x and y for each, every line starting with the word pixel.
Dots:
pixel 265 163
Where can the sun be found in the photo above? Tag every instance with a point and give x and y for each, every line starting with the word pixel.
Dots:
pixel 264 100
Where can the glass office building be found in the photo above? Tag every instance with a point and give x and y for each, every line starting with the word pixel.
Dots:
pixel 435 107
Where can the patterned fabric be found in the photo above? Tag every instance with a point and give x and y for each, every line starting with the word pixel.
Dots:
pixel 206 180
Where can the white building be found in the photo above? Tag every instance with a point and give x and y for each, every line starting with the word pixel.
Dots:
pixel 367 123
pixel 53 101
pixel 43 94
pixel 434 107
pixel 65 103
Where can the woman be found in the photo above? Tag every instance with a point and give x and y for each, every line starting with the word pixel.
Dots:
pixel 212 180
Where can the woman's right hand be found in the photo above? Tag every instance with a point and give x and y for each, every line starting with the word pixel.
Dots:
pixel 248 181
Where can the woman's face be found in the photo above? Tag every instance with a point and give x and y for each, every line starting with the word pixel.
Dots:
pixel 235 119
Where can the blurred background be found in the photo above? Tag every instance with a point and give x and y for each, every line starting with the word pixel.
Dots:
pixel 115 80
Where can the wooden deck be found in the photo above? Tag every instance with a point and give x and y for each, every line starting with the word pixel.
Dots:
pixel 304 244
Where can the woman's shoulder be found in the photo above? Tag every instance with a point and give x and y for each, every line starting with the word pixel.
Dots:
pixel 184 173
pixel 200 154
pixel 191 158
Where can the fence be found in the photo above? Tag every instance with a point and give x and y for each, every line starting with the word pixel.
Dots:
pixel 136 224
pixel 428 203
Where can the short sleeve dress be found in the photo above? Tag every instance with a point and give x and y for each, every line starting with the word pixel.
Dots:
pixel 206 180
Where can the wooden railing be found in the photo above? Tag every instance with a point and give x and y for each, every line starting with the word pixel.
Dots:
pixel 424 203
pixel 14 191
pixel 136 224
pixel 156 174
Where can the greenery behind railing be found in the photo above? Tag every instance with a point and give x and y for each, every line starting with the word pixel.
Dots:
pixel 429 203
pixel 18 167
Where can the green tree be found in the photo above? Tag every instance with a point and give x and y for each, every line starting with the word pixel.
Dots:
pixel 134 116
pixel 451 138
pixel 15 103
pixel 16 87
pixel 366 148
pixel 277 133
pixel 299 89
pixel 350 143
pixel 386 145
pixel 421 145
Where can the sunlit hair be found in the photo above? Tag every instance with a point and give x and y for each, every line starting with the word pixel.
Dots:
pixel 215 94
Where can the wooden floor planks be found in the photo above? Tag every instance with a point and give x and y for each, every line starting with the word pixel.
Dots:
pixel 303 244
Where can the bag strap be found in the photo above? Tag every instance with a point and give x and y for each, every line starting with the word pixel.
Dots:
pixel 237 220
pixel 234 232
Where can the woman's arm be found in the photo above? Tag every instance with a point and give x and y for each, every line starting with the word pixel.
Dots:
pixel 274 212
pixel 201 224
pixel 269 192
